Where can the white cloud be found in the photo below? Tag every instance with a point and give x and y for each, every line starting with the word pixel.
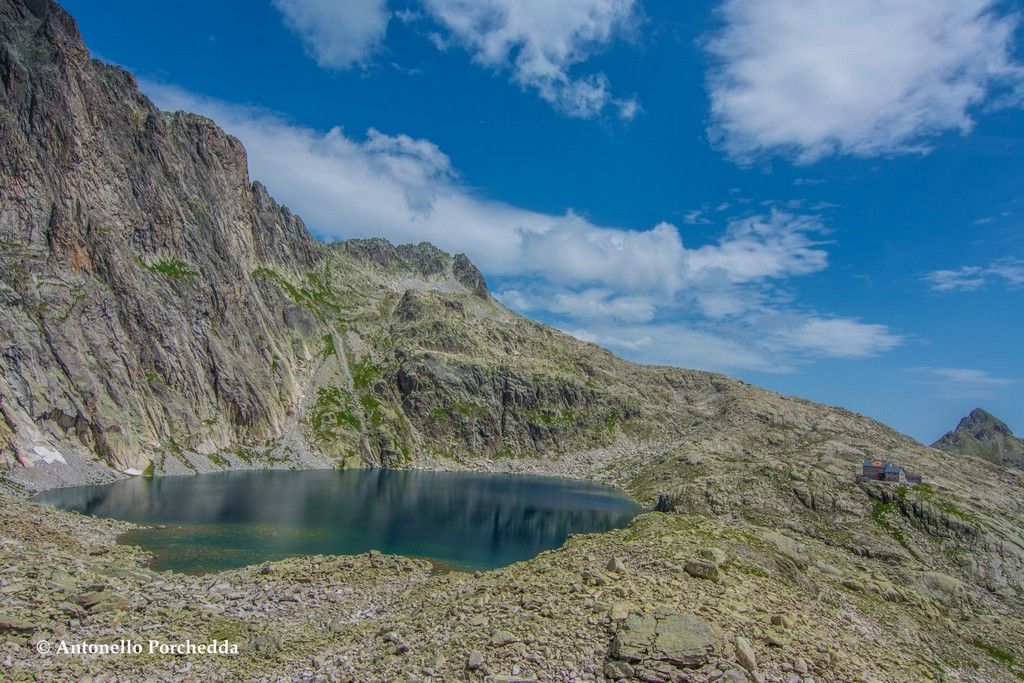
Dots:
pixel 810 78
pixel 574 251
pixel 652 297
pixel 769 341
pixel 338 33
pixel 696 217
pixel 759 247
pixel 1008 271
pixel 540 42
pixel 962 382
pixel 839 337
pixel 587 304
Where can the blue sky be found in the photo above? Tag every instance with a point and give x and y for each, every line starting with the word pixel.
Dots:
pixel 825 200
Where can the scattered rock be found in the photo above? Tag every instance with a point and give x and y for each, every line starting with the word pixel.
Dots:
pixel 785 620
pixel 616 566
pixel 617 671
pixel 745 654
pixel 499 638
pixel 702 569
pixel 11 624
pixel 474 660
pixel 684 640
pixel 715 556
pixel 619 611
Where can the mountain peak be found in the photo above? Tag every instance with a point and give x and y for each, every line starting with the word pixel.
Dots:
pixel 979 418
pixel 982 434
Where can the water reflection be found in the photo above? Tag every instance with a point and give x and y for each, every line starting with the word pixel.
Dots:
pixel 469 520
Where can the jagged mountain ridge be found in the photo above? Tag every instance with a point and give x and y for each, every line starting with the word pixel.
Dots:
pixel 983 435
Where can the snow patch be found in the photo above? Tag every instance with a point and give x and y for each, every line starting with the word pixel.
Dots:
pixel 48 455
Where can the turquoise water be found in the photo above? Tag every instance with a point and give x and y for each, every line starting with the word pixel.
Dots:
pixel 230 519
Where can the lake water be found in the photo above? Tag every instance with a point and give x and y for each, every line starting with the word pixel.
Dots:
pixel 230 519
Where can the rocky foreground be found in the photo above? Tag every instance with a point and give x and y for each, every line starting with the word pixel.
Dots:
pixel 670 598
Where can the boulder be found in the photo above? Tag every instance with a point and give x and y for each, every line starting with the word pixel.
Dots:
pixel 715 556
pixel 702 569
pixel 616 566
pixel 474 660
pixel 745 654
pixel 681 639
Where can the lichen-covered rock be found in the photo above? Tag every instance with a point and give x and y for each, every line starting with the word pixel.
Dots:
pixel 703 569
pixel 680 639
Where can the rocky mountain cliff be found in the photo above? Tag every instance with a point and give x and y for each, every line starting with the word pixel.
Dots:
pixel 983 435
pixel 163 313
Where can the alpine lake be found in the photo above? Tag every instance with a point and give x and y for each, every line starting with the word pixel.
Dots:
pixel 469 521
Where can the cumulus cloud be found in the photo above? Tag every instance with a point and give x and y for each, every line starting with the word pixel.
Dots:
pixel 641 291
pixel 337 34
pixel 764 246
pixel 1007 271
pixel 838 337
pixel 811 78
pixel 540 42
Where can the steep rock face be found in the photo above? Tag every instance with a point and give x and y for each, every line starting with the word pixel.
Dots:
pixel 158 303
pixel 126 240
pixel 983 435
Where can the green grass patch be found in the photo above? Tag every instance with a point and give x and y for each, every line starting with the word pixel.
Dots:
pixel 997 653
pixel 880 516
pixel 155 379
pixel 149 471
pixel 246 455
pixel 331 412
pixel 329 348
pixel 364 373
pixel 175 449
pixel 314 291
pixel 219 460
pixel 463 408
pixel 172 268
pixel 927 493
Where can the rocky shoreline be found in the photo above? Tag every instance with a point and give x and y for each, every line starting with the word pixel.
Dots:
pixel 670 598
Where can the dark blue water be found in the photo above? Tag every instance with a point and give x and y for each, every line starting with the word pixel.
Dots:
pixel 230 519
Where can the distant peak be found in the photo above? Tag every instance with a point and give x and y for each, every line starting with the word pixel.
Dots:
pixel 982 434
pixel 980 418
